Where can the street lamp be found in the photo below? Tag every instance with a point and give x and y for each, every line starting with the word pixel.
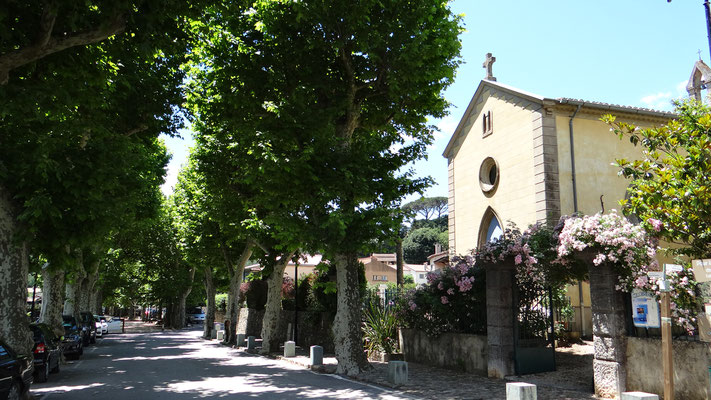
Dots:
pixel 708 21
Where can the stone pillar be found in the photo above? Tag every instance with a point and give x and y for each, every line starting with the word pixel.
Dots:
pixel 499 318
pixel 316 355
pixel 521 391
pixel 609 332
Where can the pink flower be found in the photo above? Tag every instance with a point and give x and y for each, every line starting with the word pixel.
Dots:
pixel 656 224
pixel 450 291
pixel 517 259
pixel 444 300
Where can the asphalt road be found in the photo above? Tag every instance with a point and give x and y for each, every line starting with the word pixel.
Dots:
pixel 179 365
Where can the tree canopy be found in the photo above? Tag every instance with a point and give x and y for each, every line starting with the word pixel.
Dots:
pixel 670 191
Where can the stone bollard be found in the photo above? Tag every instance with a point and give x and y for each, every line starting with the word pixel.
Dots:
pixel 220 335
pixel 289 349
pixel 240 340
pixel 316 355
pixel 397 372
pixel 251 343
pixel 638 396
pixel 520 391
pixel 213 334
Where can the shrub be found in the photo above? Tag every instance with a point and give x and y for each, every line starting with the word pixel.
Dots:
pixel 255 293
pixel 453 300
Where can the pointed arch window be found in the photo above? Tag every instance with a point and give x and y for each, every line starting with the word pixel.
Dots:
pixel 490 228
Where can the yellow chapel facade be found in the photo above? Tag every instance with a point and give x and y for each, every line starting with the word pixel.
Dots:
pixel 517 157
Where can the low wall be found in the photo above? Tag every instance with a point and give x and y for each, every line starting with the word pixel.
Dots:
pixel 314 328
pixel 459 351
pixel 691 368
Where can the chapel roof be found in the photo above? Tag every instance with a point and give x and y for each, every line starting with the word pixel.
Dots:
pixel 537 99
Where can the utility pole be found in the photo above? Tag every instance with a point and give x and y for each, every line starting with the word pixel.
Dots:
pixel 707 8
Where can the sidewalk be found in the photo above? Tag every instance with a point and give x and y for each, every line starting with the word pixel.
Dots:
pixel 428 382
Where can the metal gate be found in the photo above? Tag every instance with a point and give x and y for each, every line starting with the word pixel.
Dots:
pixel 534 333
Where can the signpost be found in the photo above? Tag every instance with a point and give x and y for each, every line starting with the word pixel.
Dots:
pixel 667 350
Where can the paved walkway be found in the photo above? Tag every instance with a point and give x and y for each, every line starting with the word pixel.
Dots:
pixel 427 382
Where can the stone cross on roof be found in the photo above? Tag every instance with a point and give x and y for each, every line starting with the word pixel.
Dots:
pixel 489 64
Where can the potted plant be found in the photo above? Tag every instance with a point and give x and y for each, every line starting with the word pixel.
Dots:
pixel 380 331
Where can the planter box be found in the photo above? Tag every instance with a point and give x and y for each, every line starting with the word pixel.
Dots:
pixel 457 351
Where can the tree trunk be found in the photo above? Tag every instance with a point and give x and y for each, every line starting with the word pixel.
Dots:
pixel 72 300
pixel 209 323
pixel 180 308
pixel 347 330
pixel 95 301
pixel 14 267
pixel 87 289
pixel 236 271
pixel 52 299
pixel 272 311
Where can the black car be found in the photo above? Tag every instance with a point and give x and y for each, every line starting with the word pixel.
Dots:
pixel 70 321
pixel 88 322
pixel 72 345
pixel 15 373
pixel 47 351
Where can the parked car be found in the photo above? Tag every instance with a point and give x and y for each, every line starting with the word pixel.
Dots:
pixel 47 351
pixel 15 373
pixel 70 321
pixel 114 325
pixel 101 323
pixel 195 315
pixel 88 321
pixel 72 345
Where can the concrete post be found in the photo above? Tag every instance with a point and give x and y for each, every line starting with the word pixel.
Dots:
pixel 290 349
pixel 397 372
pixel 240 340
pixel 609 332
pixel 499 318
pixel 251 343
pixel 316 355
pixel 220 335
pixel 520 391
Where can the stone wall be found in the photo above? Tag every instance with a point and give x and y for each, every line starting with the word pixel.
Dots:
pixel 314 328
pixel 691 368
pixel 464 352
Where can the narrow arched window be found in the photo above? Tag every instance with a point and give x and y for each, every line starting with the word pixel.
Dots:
pixel 490 228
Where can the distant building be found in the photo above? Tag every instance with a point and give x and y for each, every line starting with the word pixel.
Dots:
pixel 306 266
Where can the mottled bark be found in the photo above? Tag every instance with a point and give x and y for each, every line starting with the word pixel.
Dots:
pixel 52 298
pixel 209 323
pixel 95 301
pixel 88 288
pixel 14 267
pixel 72 299
pixel 347 329
pixel 272 311
pixel 236 271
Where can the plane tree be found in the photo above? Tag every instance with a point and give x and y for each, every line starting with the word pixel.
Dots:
pixel 336 96
pixel 74 101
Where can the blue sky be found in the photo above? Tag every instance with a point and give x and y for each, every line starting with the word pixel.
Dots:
pixel 629 52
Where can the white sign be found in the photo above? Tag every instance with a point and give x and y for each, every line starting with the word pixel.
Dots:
pixel 645 310
pixel 673 268
pixel 702 270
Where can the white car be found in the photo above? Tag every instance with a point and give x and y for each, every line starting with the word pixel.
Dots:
pixel 101 326
pixel 114 325
pixel 195 315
